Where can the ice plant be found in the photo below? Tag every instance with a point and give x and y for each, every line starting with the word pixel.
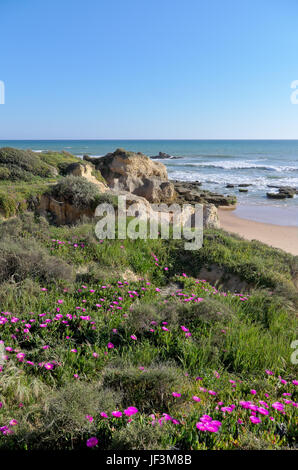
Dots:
pixel 92 442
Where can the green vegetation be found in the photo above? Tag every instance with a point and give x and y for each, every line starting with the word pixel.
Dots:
pixel 22 165
pixel 59 160
pixel 77 191
pixel 93 327
pixel 125 342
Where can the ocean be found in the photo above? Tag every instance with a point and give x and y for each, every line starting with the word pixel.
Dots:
pixel 215 163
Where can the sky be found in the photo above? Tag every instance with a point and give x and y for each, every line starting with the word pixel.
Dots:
pixel 148 69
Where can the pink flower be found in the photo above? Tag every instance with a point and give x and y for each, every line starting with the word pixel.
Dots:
pixel 117 414
pixel 183 328
pixel 196 398
pixel 131 410
pixel 13 422
pixel 295 382
pixel 278 406
pixel 133 337
pixel 89 417
pixel 103 415
pixel 110 346
pixel 255 420
pixel 92 442
pixel 253 392
pixel 176 395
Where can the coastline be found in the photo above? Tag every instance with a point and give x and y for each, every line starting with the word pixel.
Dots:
pixel 284 237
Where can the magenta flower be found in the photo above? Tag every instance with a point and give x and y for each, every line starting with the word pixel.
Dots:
pixel 176 395
pixel 89 417
pixel 131 410
pixel 278 406
pixel 117 414
pixel 13 422
pixel 183 328
pixel 133 337
pixel 92 442
pixel 110 346
pixel 195 398
pixel 255 420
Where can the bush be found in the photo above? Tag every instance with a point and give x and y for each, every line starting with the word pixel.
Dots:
pixel 77 191
pixel 209 311
pixel 140 436
pixel 61 419
pixel 22 258
pixel 147 390
pixel 23 164
pixel 8 205
pixel 26 224
pixel 142 314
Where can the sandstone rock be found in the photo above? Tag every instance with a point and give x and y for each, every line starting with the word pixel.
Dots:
pixel 136 173
pixel 61 211
pixel 86 170
pixel 210 216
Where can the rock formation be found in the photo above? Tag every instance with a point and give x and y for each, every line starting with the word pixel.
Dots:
pixel 136 173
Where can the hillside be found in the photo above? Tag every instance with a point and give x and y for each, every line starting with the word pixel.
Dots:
pixel 139 344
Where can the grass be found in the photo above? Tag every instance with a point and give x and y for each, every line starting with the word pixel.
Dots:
pixel 95 326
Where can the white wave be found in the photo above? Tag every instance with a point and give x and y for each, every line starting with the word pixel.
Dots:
pixel 239 165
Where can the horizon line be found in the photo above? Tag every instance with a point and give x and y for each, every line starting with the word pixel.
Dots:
pixel 142 140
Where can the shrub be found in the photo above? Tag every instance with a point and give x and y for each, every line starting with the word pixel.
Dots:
pixel 8 205
pixel 209 311
pixel 76 190
pixel 23 164
pixel 142 314
pixel 61 419
pixel 140 436
pixel 147 390
pixel 22 258
pixel 4 173
pixel 26 224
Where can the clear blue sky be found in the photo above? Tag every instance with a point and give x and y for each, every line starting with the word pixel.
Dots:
pixel 107 69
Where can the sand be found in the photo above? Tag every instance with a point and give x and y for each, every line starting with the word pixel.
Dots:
pixel 278 236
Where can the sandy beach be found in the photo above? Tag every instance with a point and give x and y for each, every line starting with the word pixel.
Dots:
pixel 278 236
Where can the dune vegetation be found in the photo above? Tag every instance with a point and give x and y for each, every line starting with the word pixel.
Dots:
pixel 120 344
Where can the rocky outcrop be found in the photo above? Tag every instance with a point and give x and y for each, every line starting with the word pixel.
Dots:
pixel 62 212
pixel 210 216
pixel 284 192
pixel 136 173
pixel 88 171
pixel 189 192
pixel 163 156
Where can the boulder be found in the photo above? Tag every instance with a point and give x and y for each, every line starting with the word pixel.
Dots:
pixel 210 216
pixel 277 195
pixel 163 155
pixel 189 192
pixel 88 171
pixel 136 173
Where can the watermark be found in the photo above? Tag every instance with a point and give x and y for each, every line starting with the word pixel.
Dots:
pixel 2 92
pixel 137 220
pixel 294 94
pixel 2 355
pixel 294 355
